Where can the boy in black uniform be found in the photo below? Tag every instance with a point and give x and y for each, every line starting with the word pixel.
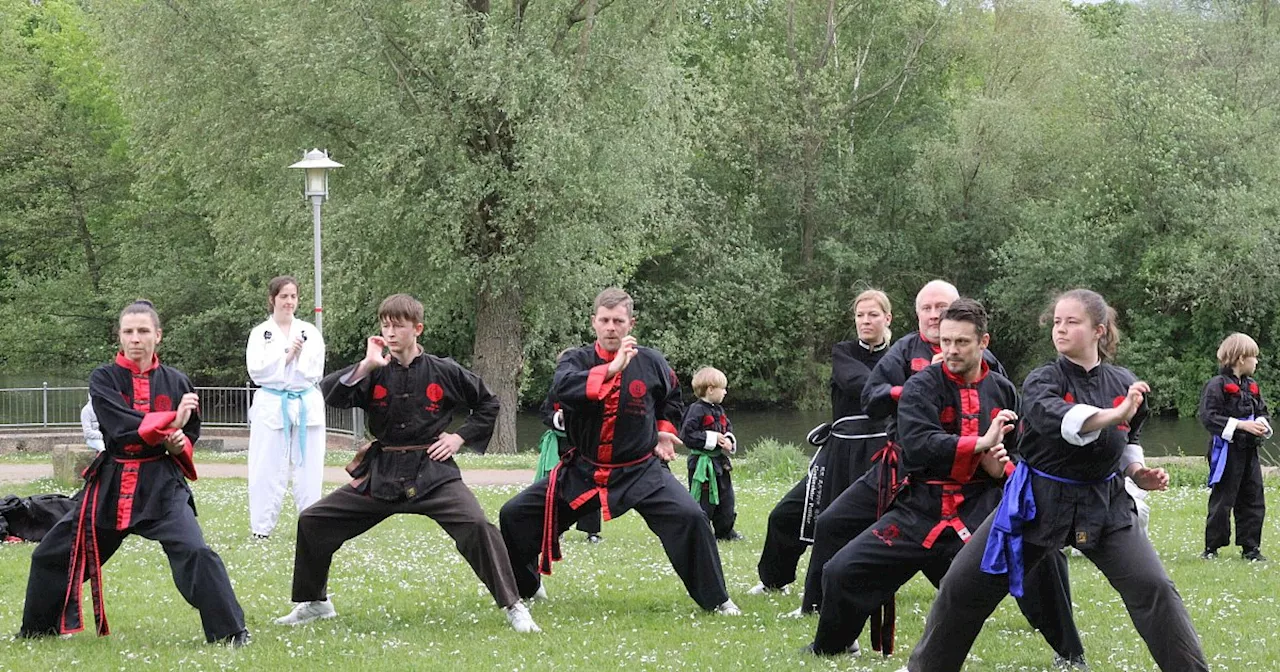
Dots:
pixel 621 404
pixel 149 417
pixel 411 398
pixel 1232 409
pixel 708 434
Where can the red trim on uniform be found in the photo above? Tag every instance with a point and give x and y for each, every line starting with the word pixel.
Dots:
pixel 952 498
pixel 895 392
pixel 186 458
pixel 128 486
pixel 596 382
pixel 129 364
pixel 1008 469
pixel 966 461
pixel 606 355
pixel 664 426
pixel 983 370
pixel 609 418
pixel 154 425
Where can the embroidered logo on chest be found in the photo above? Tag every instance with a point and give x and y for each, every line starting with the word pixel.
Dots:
pixel 162 403
pixel 637 388
pixel 434 394
pixel 919 363
pixel 708 420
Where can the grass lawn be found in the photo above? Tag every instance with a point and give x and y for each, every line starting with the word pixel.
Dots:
pixel 407 601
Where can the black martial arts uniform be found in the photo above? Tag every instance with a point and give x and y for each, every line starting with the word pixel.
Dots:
pixel 947 494
pixel 135 486
pixel 1067 490
pixel 408 408
pixel 1235 471
pixel 844 456
pixel 589 523
pixel 613 427
pixel 710 479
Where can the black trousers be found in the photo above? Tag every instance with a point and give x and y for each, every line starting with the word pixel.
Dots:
pixel 867 571
pixel 848 516
pixel 669 511
pixel 782 544
pixel 589 523
pixel 345 514
pixel 198 572
pixel 1239 491
pixel 969 595
pixel 724 514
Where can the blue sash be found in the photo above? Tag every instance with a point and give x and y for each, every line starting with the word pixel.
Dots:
pixel 289 427
pixel 1003 552
pixel 1218 457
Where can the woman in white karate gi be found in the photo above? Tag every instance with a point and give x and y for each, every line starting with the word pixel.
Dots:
pixel 285 356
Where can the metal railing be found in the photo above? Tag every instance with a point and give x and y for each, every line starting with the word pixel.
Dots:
pixel 226 407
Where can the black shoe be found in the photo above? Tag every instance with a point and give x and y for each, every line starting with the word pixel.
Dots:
pixel 260 537
pixel 1253 555
pixel 238 640
pixel 593 538
pixel 809 650
pixel 1077 663
pixel 1209 554
pixel 35 634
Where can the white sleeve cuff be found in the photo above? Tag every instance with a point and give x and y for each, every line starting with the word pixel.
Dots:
pixel 733 441
pixel 1230 430
pixel 1132 455
pixel 557 420
pixel 350 379
pixel 1266 423
pixel 1074 420
pixel 712 439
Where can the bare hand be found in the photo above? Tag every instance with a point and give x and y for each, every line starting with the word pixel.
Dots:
pixel 666 448
pixel 1151 479
pixel 445 446
pixel 626 352
pixel 375 355
pixel 937 358
pixel 294 349
pixel 993 461
pixel 190 403
pixel 724 443
pixel 1001 425
pixel 174 442
pixel 1133 400
pixel 1252 426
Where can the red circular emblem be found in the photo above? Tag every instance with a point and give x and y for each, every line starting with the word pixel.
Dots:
pixel 947 416
pixel 162 403
pixel 995 412
pixel 708 420
pixel 435 392
pixel 1231 388
pixel 1069 398
pixel 919 363
pixel 1117 401
pixel 1253 387
pixel 637 388
pixel 379 392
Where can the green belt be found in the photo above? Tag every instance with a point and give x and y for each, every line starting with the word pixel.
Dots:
pixel 548 453
pixel 704 472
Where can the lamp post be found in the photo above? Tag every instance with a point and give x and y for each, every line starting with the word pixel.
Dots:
pixel 316 165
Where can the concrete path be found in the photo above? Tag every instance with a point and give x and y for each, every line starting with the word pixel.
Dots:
pixel 20 473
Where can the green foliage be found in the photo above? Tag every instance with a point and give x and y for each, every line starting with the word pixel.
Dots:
pixel 771 460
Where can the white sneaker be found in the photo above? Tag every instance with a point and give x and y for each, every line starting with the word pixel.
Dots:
pixel 305 612
pixel 540 595
pixel 728 609
pixel 520 619
pixel 798 613
pixel 758 589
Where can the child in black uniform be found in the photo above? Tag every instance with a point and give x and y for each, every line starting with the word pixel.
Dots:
pixel 708 434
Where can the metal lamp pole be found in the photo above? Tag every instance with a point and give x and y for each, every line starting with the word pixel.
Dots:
pixel 316 165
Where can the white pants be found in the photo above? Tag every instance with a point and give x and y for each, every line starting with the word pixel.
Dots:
pixel 271 461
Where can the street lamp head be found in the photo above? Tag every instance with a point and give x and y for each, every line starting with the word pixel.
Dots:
pixel 316 164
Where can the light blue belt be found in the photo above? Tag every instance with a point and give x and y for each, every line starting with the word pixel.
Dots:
pixel 289 427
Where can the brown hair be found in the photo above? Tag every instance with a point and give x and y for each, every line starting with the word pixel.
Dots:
pixel 706 378
pixel 400 307
pixel 142 307
pixel 881 300
pixel 1099 313
pixel 276 286
pixel 612 298
pixel 968 310
pixel 1235 348
pixel 560 355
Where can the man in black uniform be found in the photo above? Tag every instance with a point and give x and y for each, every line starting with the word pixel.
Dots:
pixel 411 398
pixel 621 404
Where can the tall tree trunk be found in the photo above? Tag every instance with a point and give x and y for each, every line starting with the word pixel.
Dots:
pixel 499 356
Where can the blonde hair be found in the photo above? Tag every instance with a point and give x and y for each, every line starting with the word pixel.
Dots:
pixel 1235 348
pixel 881 300
pixel 706 378
pixel 1099 313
